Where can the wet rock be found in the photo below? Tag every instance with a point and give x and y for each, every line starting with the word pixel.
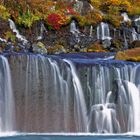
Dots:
pixel 137 24
pixel 116 45
pixel 9 47
pixel 96 47
pixel 106 43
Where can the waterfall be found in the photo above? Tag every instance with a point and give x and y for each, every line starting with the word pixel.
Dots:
pixel 7 114
pixel 51 98
pixel 15 30
pixel 114 98
pixel 134 93
pixel 80 102
pixel 103 31
pixel 60 95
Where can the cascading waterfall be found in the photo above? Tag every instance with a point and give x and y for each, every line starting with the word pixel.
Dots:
pixel 7 114
pixel 60 95
pixel 134 91
pixel 113 98
pixel 51 98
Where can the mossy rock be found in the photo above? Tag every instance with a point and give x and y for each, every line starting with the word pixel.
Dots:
pixel 56 49
pixel 39 48
pixel 129 55
pixel 116 44
pixel 96 47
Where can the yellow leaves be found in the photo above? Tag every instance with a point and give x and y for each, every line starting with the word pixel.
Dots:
pixel 4 14
pixel 40 9
pixel 10 35
pixel 113 2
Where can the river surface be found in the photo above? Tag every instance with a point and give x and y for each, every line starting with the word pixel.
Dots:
pixel 69 137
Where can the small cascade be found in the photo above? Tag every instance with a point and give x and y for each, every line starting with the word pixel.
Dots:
pixel 7 114
pixel 3 40
pixel 42 30
pixel 137 24
pixel 75 32
pixel 103 31
pixel 105 117
pixel 91 31
pixel 73 28
pixel 135 35
pixel 18 35
pixel 125 17
pixel 125 40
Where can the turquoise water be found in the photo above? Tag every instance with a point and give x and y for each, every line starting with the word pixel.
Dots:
pixel 55 137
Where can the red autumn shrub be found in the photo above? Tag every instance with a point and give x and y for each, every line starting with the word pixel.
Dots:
pixel 56 20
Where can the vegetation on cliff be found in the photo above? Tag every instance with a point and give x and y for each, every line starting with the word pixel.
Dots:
pixel 59 13
pixel 55 15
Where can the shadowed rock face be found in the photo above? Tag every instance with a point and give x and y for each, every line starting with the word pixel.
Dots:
pixel 53 95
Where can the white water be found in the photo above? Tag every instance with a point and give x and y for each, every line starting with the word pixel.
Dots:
pixel 103 31
pixel 125 17
pixel 7 114
pixel 134 107
pixel 3 40
pixel 80 110
pixel 135 35
pixel 73 29
pixel 42 30
pixel 18 35
pixel 59 97
pixel 91 31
